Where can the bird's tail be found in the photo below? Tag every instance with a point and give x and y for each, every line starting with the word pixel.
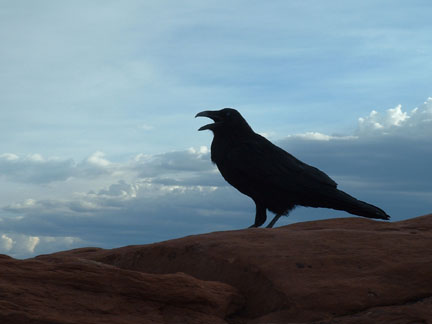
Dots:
pixel 342 201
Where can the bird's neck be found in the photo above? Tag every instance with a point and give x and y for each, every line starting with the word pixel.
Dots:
pixel 223 142
pixel 219 148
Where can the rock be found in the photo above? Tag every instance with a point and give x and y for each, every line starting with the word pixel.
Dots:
pixel 350 270
pixel 70 290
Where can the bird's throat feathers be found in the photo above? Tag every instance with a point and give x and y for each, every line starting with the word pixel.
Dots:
pixel 224 142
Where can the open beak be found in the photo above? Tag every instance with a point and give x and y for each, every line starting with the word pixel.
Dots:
pixel 212 115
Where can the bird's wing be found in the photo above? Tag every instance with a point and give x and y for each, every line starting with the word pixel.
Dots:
pixel 260 161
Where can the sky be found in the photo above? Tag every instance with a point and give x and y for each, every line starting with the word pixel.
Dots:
pixel 99 144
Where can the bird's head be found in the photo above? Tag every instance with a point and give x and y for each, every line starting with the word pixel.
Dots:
pixel 227 119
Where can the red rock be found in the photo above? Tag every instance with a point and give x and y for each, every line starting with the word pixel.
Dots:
pixel 70 290
pixel 351 270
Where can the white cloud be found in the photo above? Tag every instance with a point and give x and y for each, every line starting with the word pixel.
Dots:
pixel 395 121
pixel 35 158
pixel 22 246
pixel 9 156
pixel 316 136
pixel 31 243
pixel 98 159
pixel 6 243
pixel 35 168
pixel 18 243
pixel 202 150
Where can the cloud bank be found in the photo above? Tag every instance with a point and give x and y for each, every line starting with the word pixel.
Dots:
pixel 147 198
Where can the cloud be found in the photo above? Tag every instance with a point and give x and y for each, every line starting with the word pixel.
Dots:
pixel 316 136
pixel 9 156
pixel 97 159
pixel 6 243
pixel 189 160
pixel 156 197
pixel 188 167
pixel 416 123
pixel 388 156
pixel 22 246
pixel 36 169
pixel 172 192
pixel 130 213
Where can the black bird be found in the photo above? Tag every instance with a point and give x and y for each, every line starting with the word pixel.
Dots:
pixel 273 178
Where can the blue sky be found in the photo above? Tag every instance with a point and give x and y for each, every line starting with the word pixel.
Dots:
pixel 99 145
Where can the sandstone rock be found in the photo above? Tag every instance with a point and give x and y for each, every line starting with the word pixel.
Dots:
pixel 68 290
pixel 305 272
pixel 350 270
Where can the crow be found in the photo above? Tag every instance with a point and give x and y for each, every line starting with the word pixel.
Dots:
pixel 273 178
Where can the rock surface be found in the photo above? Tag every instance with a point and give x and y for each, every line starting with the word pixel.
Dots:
pixel 349 270
pixel 68 290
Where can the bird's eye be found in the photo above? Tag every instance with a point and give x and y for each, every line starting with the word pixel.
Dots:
pixel 228 113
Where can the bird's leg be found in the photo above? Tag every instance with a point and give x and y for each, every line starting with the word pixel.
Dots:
pixel 260 216
pixel 274 220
